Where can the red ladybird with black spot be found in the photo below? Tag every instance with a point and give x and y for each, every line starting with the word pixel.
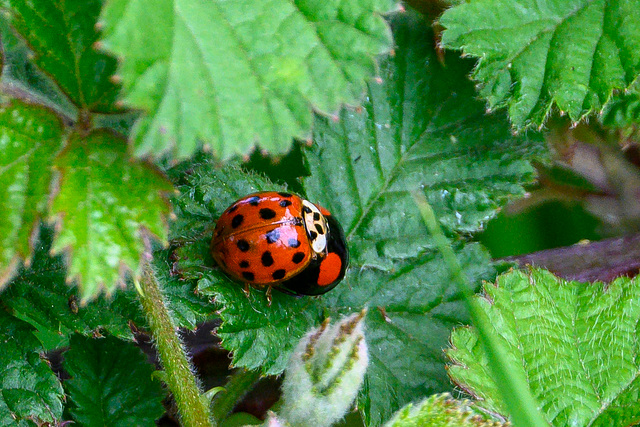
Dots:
pixel 280 240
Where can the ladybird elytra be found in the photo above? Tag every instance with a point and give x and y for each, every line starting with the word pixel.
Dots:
pixel 278 239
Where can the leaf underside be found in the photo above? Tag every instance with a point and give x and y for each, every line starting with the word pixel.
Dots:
pixel 571 53
pixel 576 343
pixel 233 74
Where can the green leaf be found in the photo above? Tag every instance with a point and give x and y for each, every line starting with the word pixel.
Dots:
pixel 187 307
pixel 104 200
pixel 554 331
pixel 21 73
pixel 532 55
pixel 62 35
pixel 30 137
pixel 233 74
pixel 29 390
pixel 111 384
pixel 441 410
pixel 40 295
pixel 420 128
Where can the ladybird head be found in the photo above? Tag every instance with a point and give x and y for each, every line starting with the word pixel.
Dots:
pixel 316 227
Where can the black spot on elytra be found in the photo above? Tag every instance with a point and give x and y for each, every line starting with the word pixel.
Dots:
pixel 316 216
pixel 285 194
pixel 236 221
pixel 253 201
pixel 248 276
pixel 306 209
pixel 285 203
pixel 243 245
pixel 298 257
pixel 267 259
pixel 278 274
pixel 266 213
pixel 320 229
pixel 313 235
pixel 273 235
pixel 244 264
pixel 294 243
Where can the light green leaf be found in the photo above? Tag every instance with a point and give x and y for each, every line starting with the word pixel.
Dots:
pixel 29 390
pixel 62 36
pixel 575 342
pixel 111 384
pixel 571 53
pixel 233 74
pixel 441 410
pixel 104 201
pixel 30 137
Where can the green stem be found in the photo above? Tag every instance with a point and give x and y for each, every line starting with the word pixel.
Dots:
pixel 237 386
pixel 513 386
pixel 179 374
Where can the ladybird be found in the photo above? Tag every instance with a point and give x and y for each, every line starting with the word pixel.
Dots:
pixel 275 239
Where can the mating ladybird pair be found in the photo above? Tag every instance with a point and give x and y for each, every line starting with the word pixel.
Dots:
pixel 280 240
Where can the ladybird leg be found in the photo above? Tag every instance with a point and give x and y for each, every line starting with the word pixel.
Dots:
pixel 247 289
pixel 268 294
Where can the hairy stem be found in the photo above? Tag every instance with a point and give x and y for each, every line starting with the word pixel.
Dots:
pixel 238 385
pixel 179 375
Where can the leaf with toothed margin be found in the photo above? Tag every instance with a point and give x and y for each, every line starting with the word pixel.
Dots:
pixel 29 390
pixel 420 128
pixel 111 384
pixel 576 343
pixel 40 295
pixel 30 137
pixel 104 200
pixel 533 55
pixel 240 73
pixel 62 36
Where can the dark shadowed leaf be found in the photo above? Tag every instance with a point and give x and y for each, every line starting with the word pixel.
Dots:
pixel 111 384
pixel 62 37
pixel 28 387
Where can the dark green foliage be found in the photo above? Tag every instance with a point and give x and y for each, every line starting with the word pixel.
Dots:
pixel 29 390
pixel 111 384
